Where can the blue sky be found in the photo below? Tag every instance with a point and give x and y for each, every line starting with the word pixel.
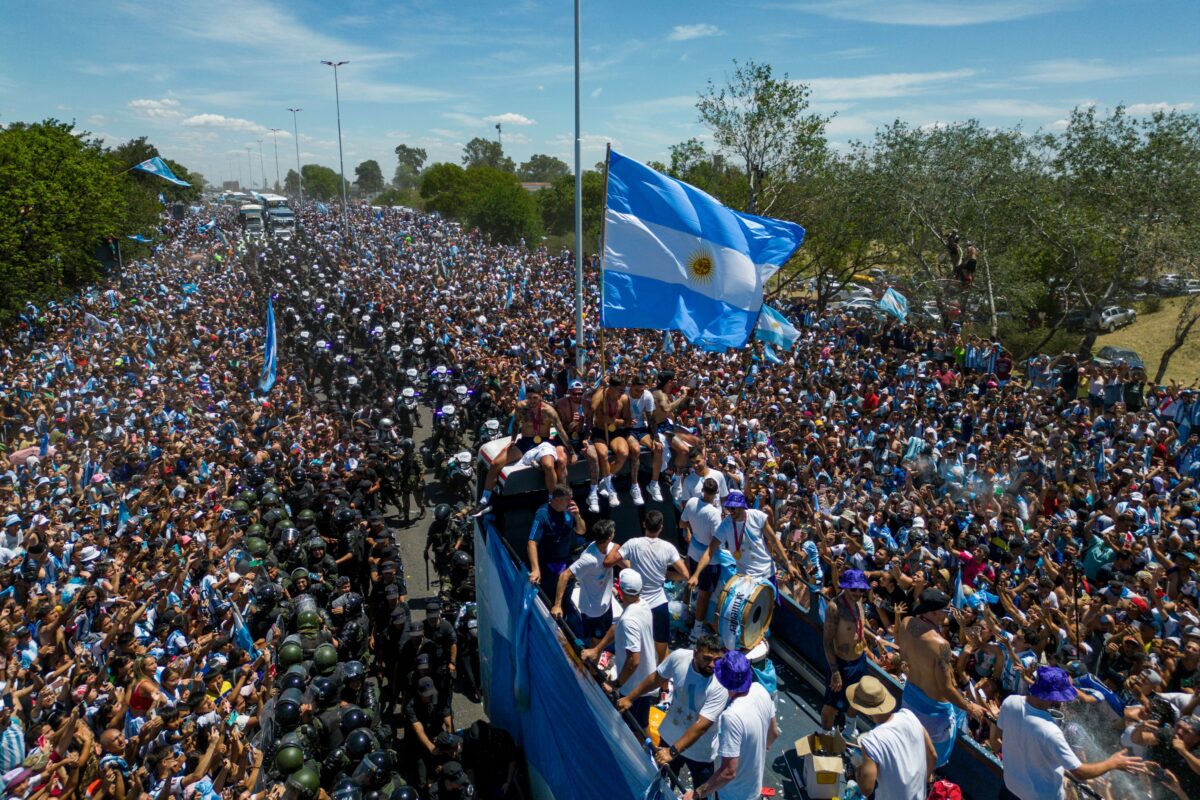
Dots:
pixel 205 79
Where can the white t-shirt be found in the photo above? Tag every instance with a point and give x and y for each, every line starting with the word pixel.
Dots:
pixel 693 696
pixel 703 518
pixel 742 734
pixel 635 634
pixel 642 409
pixel 1035 751
pixel 744 540
pixel 693 484
pixel 650 558
pixel 898 748
pixel 595 580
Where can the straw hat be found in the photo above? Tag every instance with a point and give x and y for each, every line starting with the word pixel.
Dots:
pixel 870 696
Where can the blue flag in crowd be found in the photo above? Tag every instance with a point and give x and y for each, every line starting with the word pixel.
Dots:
pixel 156 166
pixel 268 371
pixel 122 517
pixel 137 237
pixel 959 600
pixel 189 288
pixel 676 259
pixel 44 449
pixel 668 346
pixel 162 199
pixel 508 300
pixel 775 329
pixel 895 304
pixel 150 347
pixel 769 354
pixel 1101 462
pixel 521 391
pixel 241 634
pixel 205 227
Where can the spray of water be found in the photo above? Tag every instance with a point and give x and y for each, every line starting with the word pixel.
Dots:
pixel 1089 729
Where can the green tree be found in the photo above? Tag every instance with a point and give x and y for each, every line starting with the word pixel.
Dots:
pixel 59 197
pixel 411 160
pixel 763 121
pixel 556 205
pixel 710 173
pixel 444 189
pixel 291 183
pixel 368 177
pixel 543 169
pixel 321 183
pixel 507 213
pixel 480 152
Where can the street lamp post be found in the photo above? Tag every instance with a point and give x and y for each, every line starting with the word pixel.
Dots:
pixel 499 137
pixel 296 136
pixel 579 340
pixel 275 137
pixel 262 170
pixel 337 95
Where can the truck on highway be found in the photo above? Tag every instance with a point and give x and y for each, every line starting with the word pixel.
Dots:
pixel 280 219
pixel 252 218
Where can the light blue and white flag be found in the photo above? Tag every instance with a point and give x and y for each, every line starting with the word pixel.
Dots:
pixel 44 447
pixel 189 288
pixel 775 329
pixel 205 227
pixel 137 237
pixel 162 199
pixel 895 304
pixel 770 356
pixel 676 259
pixel 668 345
pixel 267 380
pixel 509 299
pixel 156 166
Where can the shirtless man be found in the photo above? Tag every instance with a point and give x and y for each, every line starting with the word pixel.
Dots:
pixel 845 641
pixel 573 410
pixel 533 418
pixel 931 691
pixel 611 423
pixel 679 442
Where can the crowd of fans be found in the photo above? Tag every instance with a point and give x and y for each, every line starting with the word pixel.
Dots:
pixel 202 589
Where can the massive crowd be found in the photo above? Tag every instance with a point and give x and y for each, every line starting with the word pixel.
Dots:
pixel 203 594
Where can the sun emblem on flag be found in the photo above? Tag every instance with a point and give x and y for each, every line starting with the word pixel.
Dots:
pixel 700 266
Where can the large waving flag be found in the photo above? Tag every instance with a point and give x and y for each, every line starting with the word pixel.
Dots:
pixel 156 166
pixel 774 328
pixel 267 380
pixel 137 237
pixel 895 304
pixel 676 259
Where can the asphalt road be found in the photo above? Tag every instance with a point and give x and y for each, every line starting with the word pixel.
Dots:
pixel 411 541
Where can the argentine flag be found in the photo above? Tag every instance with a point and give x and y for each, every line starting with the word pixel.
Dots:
pixel 267 379
pixel 775 329
pixel 895 304
pixel 156 166
pixel 676 259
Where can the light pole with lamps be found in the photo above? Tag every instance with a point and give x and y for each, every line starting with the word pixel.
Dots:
pixel 262 170
pixel 499 138
pixel 296 136
pixel 337 96
pixel 275 137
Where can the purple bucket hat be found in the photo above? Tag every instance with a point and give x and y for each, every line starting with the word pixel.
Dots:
pixel 1053 684
pixel 735 499
pixel 854 579
pixel 733 671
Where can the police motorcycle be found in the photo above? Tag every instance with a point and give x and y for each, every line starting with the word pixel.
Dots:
pixel 407 416
pixel 447 432
pixel 440 392
pixel 455 476
pixel 489 431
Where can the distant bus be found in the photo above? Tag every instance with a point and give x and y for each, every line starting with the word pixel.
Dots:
pixel 251 218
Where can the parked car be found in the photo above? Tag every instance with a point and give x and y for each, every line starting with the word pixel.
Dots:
pixel 1109 356
pixel 1190 286
pixel 1115 317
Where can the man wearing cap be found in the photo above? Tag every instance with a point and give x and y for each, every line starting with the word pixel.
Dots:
pixel 931 691
pixel 1036 753
pixel 427 716
pixel 845 641
pixel 745 732
pixel 632 638
pixel 747 534
pixel 573 411
pixel 897 754
pixel 686 735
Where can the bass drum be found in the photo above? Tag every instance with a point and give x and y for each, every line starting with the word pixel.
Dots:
pixel 745 606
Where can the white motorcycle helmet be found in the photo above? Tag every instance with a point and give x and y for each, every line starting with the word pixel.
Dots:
pixel 449 410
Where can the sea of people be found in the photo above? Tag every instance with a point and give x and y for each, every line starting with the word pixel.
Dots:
pixel 203 595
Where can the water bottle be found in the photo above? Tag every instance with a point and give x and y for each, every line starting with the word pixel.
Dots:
pixel 852 791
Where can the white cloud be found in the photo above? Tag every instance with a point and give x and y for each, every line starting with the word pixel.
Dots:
pixel 97 119
pixel 892 84
pixel 599 90
pixel 1005 107
pixel 1147 109
pixel 933 13
pixel 164 108
pixel 682 33
pixel 234 124
pixel 1074 70
pixel 510 118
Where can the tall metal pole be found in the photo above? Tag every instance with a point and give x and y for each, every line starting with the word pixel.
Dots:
pixel 296 136
pixel 249 166
pixel 500 137
pixel 337 95
pixel 275 136
pixel 262 169
pixel 579 337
